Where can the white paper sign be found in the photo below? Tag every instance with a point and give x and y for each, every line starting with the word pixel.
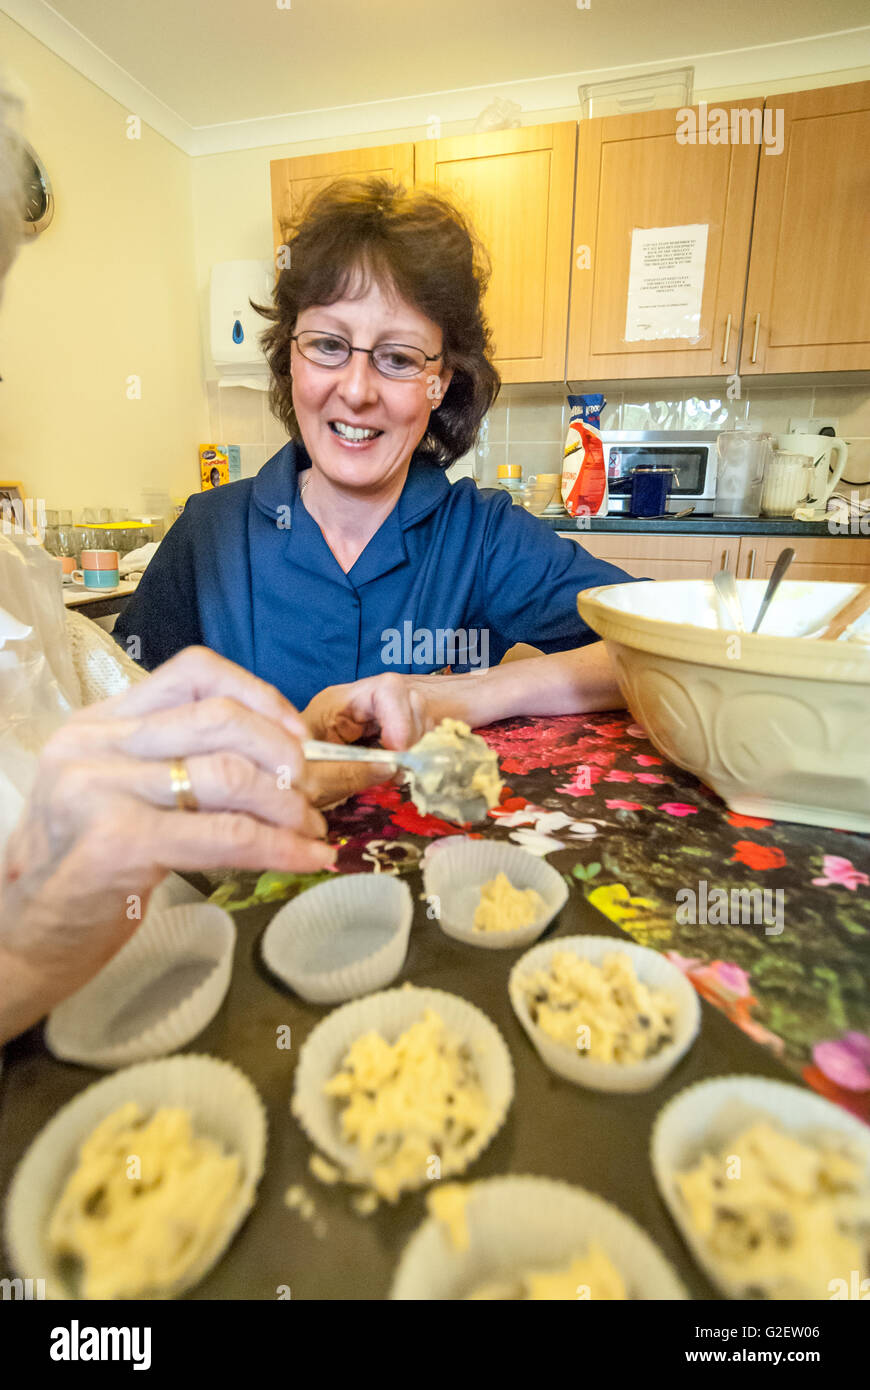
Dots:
pixel 666 282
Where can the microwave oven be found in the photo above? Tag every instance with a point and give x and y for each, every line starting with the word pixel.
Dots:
pixel 691 453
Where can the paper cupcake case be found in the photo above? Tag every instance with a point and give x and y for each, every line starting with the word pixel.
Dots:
pixel 651 968
pixel 342 938
pixel 519 1224
pixel 161 989
pixel 172 891
pixel 224 1106
pixel 389 1014
pixel 705 1117
pixel 455 874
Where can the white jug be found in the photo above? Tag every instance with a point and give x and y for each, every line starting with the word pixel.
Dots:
pixel 828 457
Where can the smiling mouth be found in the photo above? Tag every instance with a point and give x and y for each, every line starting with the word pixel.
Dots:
pixel 353 434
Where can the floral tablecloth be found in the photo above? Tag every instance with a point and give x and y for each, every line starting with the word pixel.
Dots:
pixel 660 856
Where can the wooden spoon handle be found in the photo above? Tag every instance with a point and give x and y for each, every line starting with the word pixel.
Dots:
pixel 856 605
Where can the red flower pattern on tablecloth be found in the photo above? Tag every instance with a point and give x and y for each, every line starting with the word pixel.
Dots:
pixel 856 1101
pixel 583 781
pixel 578 758
pixel 747 822
pixel 840 873
pixel 718 980
pixel 404 814
pixel 522 814
pixel 590 772
pixel 756 856
pixel 508 802
pixel 555 745
pixel 408 818
pixel 385 794
pixel 602 757
pixel 608 731
pixel 728 987
pixel 845 1061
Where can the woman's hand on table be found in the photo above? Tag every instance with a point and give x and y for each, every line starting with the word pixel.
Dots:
pixel 399 709
pixel 102 827
pixel 391 708
pixel 386 707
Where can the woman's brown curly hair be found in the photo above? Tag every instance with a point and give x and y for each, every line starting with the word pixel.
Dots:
pixel 355 231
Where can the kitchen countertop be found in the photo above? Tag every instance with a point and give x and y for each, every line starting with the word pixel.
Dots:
pixel 693 525
pixel 99 603
pixel 78 596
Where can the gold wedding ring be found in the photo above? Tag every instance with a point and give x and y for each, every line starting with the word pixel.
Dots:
pixel 181 788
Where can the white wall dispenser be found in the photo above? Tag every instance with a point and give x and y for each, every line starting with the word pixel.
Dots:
pixel 235 326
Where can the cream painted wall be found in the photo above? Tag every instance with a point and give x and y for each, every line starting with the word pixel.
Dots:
pixel 108 291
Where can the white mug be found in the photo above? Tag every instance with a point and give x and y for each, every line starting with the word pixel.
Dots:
pixel 828 457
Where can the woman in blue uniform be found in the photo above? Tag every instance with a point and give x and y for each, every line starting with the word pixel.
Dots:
pixel 350 572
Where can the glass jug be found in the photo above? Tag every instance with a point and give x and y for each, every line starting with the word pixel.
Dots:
pixel 743 457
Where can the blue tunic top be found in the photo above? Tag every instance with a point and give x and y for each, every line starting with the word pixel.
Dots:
pixel 453 577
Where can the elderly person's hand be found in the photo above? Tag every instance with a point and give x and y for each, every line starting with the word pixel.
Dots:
pixel 104 823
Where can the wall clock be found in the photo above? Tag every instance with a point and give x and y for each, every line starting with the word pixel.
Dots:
pixel 39 199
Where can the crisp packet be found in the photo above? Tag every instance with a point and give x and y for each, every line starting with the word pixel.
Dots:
pixel 584 473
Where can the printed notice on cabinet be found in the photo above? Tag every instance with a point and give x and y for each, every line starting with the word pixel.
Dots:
pixel 666 282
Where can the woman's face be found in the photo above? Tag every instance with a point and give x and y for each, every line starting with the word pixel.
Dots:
pixel 357 395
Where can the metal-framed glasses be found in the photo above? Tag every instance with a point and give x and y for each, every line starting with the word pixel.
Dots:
pixel 395 360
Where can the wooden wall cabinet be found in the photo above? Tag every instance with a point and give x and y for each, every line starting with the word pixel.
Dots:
pixel 633 173
pixel 806 287
pixel 808 293
pixel 294 180
pixel 518 187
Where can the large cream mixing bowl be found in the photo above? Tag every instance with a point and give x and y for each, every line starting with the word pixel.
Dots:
pixel 776 722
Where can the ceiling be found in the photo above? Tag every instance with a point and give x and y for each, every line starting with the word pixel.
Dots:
pixel 217 62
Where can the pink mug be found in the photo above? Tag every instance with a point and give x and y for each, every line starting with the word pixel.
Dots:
pixel 99 569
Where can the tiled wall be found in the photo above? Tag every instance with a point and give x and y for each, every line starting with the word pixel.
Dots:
pixel 240 416
pixel 527 425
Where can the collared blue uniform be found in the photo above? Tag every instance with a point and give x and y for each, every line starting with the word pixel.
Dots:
pixel 246 571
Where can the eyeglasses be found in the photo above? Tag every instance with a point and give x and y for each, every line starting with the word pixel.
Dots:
pixel 395 360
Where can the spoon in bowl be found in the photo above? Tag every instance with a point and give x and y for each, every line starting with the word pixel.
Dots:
pixel 783 560
pixel 726 588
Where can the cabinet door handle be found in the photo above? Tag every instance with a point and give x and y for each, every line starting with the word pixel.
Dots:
pixel 754 356
pixel 751 572
pixel 724 564
pixel 727 339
